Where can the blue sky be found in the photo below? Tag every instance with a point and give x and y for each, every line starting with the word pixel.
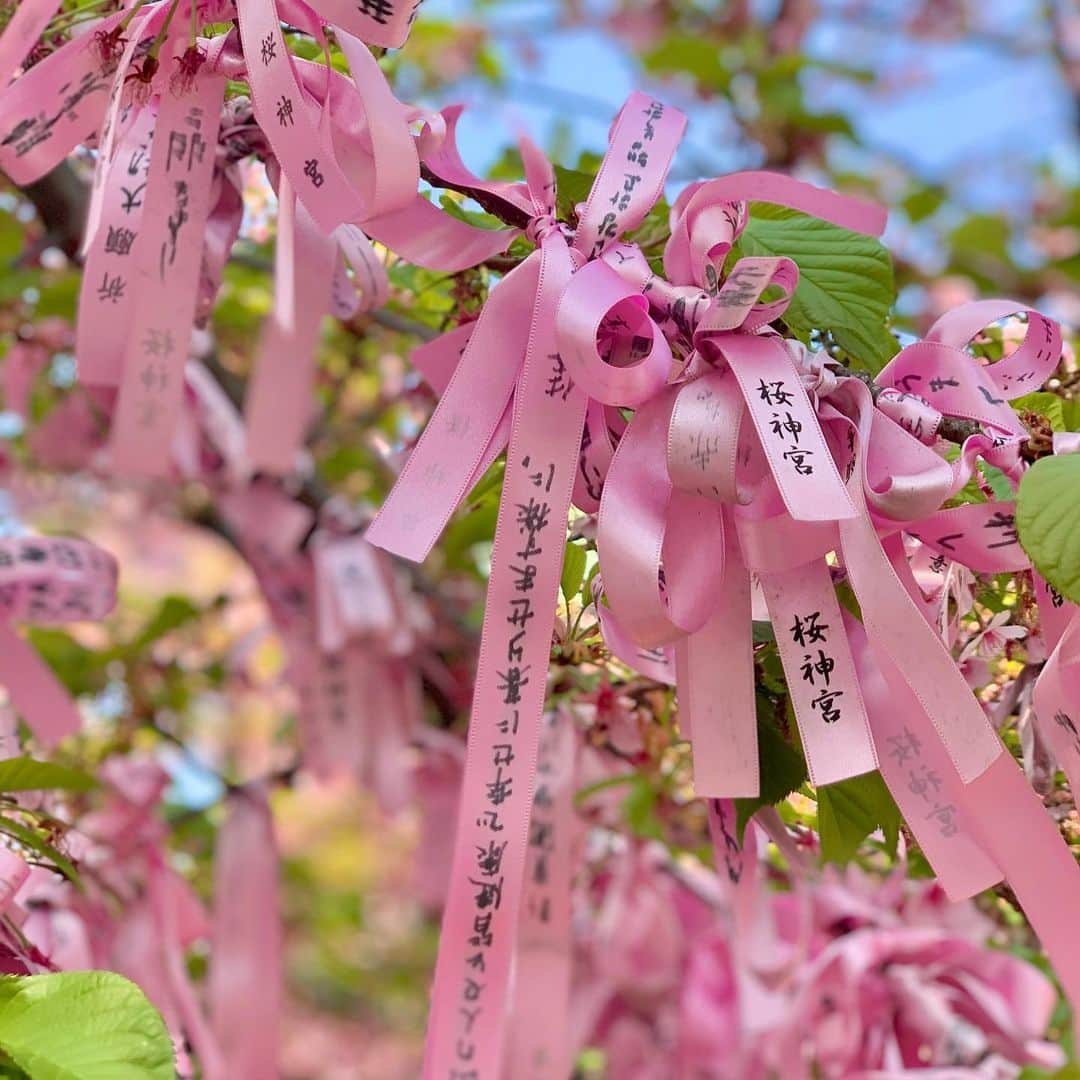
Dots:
pixel 986 114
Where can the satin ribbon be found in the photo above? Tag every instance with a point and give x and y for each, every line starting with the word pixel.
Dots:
pixel 529 398
pixel 539 1044
pixel 299 105
pixel 672 569
pixel 934 743
pixel 48 581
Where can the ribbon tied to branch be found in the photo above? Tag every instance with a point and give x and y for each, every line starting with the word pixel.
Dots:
pixel 511 388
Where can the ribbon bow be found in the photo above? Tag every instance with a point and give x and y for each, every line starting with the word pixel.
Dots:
pixel 512 388
pixel 694 499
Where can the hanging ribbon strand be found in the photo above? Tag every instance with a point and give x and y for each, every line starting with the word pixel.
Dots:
pixel 529 403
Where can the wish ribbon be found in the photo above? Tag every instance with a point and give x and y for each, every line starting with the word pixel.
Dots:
pixel 511 387
pixel 673 568
pixel 685 509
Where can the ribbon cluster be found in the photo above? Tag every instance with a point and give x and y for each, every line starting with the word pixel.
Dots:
pixel 752 477
pixel 166 201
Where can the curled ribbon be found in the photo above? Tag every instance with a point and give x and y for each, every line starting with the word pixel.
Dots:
pixel 693 499
pixel 528 402
pixel 673 568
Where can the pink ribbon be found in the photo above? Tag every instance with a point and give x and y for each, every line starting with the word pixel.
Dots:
pixel 690 499
pixel 48 581
pixel 672 568
pixel 22 32
pixel 539 1045
pixel 529 399
pixel 166 277
pixel 299 105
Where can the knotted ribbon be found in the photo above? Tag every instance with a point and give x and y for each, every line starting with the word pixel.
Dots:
pixel 673 570
pixel 525 398
pixel 691 499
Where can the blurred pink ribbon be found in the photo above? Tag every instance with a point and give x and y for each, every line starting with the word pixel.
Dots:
pixel 161 217
pixel 48 581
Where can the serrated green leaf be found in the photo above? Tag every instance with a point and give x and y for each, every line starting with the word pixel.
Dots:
pixel 845 279
pixel 573 570
pixel 849 811
pixel 83 1025
pixel 782 770
pixel 1048 521
pixel 29 774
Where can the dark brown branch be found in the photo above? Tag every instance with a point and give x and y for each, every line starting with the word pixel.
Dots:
pixel 61 198
pixel 506 212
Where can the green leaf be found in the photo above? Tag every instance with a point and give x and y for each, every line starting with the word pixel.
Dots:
pixel 572 186
pixel 83 1025
pixel 573 570
pixel 845 279
pixel 997 482
pixel 28 774
pixel 782 771
pixel 849 811
pixel 639 807
pixel 33 841
pixel 173 612
pixel 922 202
pixel 1048 520
pixel 694 55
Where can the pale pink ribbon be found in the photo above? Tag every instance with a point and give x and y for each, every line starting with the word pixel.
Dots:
pixel 677 464
pixel 145 260
pixel 529 401
pixel 22 32
pixel 538 1047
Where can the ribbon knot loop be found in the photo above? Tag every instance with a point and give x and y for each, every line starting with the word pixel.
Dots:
pixel 818 378
pixel 541 227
